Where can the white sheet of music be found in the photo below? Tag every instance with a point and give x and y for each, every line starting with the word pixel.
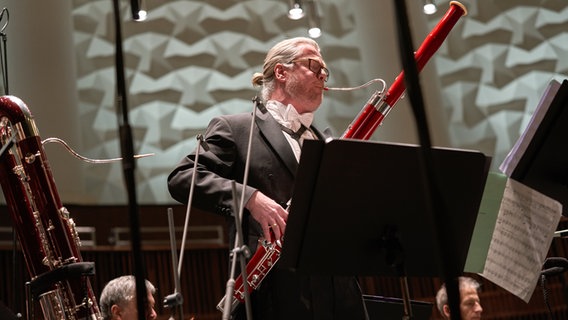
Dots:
pixel 523 233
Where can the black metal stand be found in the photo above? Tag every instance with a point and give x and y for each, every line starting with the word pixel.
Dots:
pixel 379 186
pixel 129 166
pixel 436 209
pixel 240 252
pixel 174 301
pixel 5 19
pixel 394 257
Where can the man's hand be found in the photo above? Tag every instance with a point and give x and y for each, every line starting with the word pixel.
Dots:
pixel 269 214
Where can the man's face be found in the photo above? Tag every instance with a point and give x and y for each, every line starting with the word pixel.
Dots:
pixel 129 312
pixel 470 305
pixel 304 84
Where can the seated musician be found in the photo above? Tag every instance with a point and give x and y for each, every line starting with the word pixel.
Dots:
pixel 118 300
pixel 470 305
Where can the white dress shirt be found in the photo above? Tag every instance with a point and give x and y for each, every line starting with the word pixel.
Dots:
pixel 288 117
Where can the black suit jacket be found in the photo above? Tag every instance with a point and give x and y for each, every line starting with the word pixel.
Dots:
pixel 272 167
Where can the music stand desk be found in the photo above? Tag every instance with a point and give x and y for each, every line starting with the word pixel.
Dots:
pixel 349 194
pixel 544 164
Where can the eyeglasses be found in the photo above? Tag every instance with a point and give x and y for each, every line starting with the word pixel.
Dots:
pixel 315 67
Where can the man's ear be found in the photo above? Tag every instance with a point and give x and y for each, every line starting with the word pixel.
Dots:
pixel 280 72
pixel 115 311
pixel 446 310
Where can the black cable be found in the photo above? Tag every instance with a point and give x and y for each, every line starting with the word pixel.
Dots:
pixel 545 295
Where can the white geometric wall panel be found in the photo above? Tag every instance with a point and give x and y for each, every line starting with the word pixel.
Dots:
pixel 193 60
pixel 495 67
pixel 188 62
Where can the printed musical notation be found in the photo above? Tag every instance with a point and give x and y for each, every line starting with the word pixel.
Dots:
pixel 512 253
pixel 519 212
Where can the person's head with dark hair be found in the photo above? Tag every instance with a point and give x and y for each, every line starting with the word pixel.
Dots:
pixel 470 305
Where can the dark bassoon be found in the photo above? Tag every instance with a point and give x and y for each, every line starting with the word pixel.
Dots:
pixel 45 230
pixel 362 128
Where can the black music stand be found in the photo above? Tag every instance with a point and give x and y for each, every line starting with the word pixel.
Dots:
pixel 358 208
pixel 544 164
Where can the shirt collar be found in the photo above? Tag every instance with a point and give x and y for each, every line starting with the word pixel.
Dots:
pixel 288 116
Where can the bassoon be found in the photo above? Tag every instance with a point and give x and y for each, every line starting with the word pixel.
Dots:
pixel 46 232
pixel 362 128
pixel 378 107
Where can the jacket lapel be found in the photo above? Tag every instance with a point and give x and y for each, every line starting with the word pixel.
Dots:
pixel 270 129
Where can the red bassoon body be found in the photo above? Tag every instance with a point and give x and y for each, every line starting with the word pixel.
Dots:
pixel 258 267
pixel 46 233
pixel 362 128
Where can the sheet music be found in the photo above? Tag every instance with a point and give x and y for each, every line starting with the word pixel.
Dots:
pixel 523 233
pixel 510 162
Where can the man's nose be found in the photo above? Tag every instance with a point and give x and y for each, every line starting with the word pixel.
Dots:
pixel 478 307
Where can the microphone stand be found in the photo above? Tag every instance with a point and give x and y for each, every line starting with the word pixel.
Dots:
pixel 240 251
pixel 552 266
pixel 7 146
pixel 4 55
pixel 176 299
pixel 203 144
pixel 436 209
pixel 128 165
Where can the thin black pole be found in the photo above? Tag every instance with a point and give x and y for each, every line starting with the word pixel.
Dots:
pixel 135 9
pixel 437 208
pixel 128 166
pixel 16 304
